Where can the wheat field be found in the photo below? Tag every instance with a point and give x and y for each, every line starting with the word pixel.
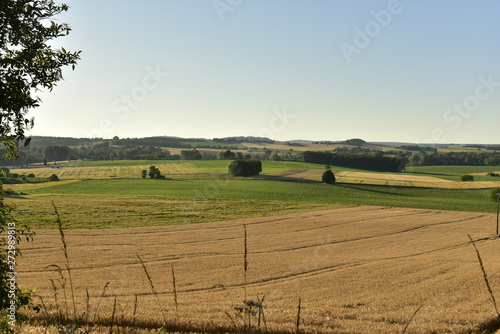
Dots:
pixel 356 270
pixel 387 179
pixel 96 172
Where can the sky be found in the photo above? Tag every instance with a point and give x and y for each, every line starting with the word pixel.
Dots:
pixel 388 71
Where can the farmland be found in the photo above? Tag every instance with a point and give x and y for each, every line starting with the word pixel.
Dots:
pixel 357 270
pixel 363 254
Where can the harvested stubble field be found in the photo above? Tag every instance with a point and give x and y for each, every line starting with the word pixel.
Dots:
pixel 387 179
pixel 99 172
pixel 357 270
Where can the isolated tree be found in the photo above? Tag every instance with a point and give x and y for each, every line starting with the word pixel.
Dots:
pixel 328 177
pixel 245 167
pixel 53 177
pixel 28 63
pixel 144 173
pixel 155 173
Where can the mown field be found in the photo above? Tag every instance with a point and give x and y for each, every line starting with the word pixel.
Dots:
pixel 356 270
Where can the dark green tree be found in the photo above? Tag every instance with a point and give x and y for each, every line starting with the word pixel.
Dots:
pixel 328 177
pixel 191 155
pixel 144 173
pixel 245 167
pixel 155 173
pixel 467 178
pixel 28 63
pixel 227 155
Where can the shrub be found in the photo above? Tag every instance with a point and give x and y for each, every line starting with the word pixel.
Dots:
pixel 53 177
pixel 494 193
pixel 243 167
pixel 154 173
pixel 467 178
pixel 328 177
pixel 492 174
pixel 31 175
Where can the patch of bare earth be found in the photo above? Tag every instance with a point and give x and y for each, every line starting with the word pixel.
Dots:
pixel 357 270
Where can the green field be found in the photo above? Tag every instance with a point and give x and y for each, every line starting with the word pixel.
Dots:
pixel 270 190
pixel 201 191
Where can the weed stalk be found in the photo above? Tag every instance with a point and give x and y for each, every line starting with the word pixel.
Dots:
pixel 485 276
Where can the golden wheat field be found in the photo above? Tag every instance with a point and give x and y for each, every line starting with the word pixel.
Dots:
pixel 387 179
pixel 356 270
pixel 95 172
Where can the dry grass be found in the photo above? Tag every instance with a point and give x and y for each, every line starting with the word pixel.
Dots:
pixel 357 270
pixel 397 179
pixel 94 172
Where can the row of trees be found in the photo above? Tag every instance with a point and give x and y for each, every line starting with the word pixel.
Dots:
pixel 363 161
pixel 100 151
pixel 356 157
pixel 455 158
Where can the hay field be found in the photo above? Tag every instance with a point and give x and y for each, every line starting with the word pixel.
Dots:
pixel 387 179
pixel 358 270
pixel 98 172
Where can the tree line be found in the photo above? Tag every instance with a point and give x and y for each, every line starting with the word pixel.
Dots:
pixel 455 158
pixel 361 161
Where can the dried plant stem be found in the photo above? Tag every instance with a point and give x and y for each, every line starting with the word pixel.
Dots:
pixel 136 303
pixel 174 289
pixel 299 308
pixel 112 317
pixel 65 250
pixel 485 276
pixel 103 293
pixel 245 259
pixel 152 286
pixel 411 319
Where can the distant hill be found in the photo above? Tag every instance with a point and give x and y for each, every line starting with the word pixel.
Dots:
pixel 242 139
pixel 38 141
pixel 354 142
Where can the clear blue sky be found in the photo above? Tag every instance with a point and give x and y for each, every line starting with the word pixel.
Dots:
pixel 413 71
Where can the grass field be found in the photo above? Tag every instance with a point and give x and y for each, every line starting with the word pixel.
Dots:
pixel 356 270
pixel 137 202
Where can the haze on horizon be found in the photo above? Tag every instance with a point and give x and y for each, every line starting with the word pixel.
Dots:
pixel 385 71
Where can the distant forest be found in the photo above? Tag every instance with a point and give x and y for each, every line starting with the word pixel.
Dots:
pixel 51 149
